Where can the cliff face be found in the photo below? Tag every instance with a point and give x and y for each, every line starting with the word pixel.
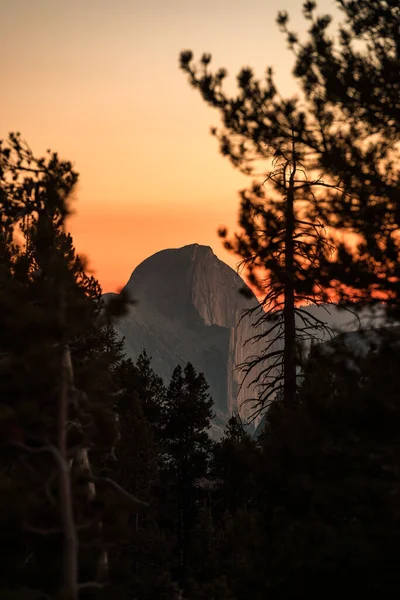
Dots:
pixel 188 309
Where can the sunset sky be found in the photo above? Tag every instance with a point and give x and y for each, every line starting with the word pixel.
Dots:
pixel 98 81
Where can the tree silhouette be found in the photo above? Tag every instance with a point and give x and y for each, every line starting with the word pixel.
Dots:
pixel 187 445
pixel 234 465
pixel 285 252
pixel 139 565
pixel 56 379
pixel 339 133
pixel 347 151
pixel 331 469
pixel 351 83
pixel 283 245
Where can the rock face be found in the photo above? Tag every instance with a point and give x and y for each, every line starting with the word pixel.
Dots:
pixel 188 310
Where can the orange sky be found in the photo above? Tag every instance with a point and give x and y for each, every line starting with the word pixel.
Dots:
pixel 98 81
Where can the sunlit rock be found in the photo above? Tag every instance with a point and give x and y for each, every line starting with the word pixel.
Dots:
pixel 188 309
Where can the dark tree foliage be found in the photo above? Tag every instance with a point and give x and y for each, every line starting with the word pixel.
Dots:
pixel 282 243
pixel 351 83
pixel 235 462
pixel 56 387
pixel 308 509
pixel 138 566
pixel 153 395
pixel 283 249
pixel 84 431
pixel 162 456
pixel 340 134
pixel 353 76
pixel 186 446
pixel 30 184
pixel 331 471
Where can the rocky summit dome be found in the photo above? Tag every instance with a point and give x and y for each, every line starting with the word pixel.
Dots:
pixel 188 309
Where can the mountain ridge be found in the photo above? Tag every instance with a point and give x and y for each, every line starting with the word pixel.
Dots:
pixel 188 307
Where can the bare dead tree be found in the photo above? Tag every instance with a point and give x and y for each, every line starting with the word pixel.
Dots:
pixel 286 253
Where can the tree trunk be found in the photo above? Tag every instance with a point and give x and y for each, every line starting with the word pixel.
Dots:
pixel 70 537
pixel 289 353
pixel 70 550
pixel 184 521
pixel 181 533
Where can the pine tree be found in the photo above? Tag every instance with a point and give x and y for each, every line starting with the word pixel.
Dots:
pixel 284 250
pixel 235 462
pixel 51 343
pixel 347 122
pixel 330 472
pixel 360 80
pixel 139 566
pixel 283 246
pixel 187 445
pixel 350 82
